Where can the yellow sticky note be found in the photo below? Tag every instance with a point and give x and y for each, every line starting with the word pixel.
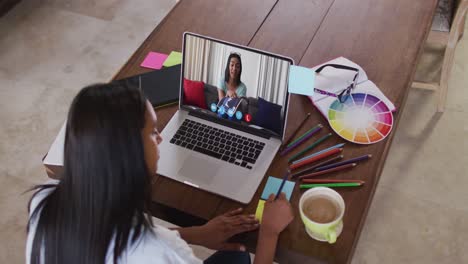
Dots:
pixel 259 212
pixel 173 59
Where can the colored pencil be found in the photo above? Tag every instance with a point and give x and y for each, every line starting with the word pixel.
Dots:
pixel 302 136
pixel 329 181
pixel 297 143
pixel 345 184
pixel 318 173
pixel 344 162
pixel 282 183
pixel 286 142
pixel 313 145
pixel 316 158
pixel 319 152
pixel 323 163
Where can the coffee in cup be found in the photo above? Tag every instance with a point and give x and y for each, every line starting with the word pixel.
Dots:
pixel 322 211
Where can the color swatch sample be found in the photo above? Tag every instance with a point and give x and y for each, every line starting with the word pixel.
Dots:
pixel 301 80
pixel 259 211
pixel 173 59
pixel 154 60
pixel 361 119
pixel 272 186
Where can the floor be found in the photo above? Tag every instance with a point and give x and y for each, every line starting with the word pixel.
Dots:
pixel 50 49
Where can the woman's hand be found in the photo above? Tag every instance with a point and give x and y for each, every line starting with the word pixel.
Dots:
pixel 218 230
pixel 221 228
pixel 277 214
pixel 231 94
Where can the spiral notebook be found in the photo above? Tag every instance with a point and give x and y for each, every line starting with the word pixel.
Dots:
pixel 335 80
pixel 365 117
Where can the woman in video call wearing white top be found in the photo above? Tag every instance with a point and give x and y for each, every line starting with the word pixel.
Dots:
pixel 231 85
pixel 98 211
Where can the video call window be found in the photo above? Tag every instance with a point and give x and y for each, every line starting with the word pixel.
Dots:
pixel 235 84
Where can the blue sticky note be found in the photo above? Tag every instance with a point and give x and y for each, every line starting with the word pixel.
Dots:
pixel 272 186
pixel 301 80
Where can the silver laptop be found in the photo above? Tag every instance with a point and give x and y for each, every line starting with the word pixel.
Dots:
pixel 231 119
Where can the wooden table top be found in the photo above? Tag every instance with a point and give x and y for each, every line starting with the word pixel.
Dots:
pixel 385 37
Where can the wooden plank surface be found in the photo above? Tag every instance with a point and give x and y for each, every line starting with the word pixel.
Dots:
pixel 7 5
pixel 235 21
pixel 290 27
pixel 384 37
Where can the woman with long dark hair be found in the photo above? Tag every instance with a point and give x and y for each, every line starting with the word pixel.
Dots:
pixel 231 85
pixel 98 211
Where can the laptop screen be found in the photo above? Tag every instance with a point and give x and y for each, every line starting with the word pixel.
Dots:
pixel 235 84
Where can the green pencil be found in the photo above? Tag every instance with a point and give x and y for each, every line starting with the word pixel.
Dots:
pixel 313 145
pixel 305 134
pixel 344 184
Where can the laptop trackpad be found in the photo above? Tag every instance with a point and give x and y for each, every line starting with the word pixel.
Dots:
pixel 198 170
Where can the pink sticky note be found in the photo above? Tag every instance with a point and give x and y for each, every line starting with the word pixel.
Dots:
pixel 154 60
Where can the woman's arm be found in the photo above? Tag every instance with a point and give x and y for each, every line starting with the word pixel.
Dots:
pixel 266 247
pixel 190 234
pixel 221 94
pixel 276 217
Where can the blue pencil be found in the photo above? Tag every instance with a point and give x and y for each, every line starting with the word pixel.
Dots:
pixel 344 162
pixel 282 183
pixel 318 153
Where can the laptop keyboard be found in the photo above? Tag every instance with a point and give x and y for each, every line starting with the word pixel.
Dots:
pixel 218 143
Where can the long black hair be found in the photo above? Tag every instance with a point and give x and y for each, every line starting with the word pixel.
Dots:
pixel 105 187
pixel 226 71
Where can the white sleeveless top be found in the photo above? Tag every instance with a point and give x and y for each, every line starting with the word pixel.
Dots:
pixel 164 246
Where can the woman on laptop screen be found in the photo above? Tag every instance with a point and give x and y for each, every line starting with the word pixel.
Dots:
pixel 231 85
pixel 98 211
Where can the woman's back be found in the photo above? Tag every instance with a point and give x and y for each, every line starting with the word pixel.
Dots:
pixel 105 186
pixel 159 246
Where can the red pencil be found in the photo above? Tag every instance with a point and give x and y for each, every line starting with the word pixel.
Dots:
pixel 311 169
pixel 328 171
pixel 315 158
pixel 330 181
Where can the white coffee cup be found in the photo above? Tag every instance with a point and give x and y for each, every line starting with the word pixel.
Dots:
pixel 326 232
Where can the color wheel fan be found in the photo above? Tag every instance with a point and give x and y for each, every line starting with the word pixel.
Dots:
pixel 361 119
